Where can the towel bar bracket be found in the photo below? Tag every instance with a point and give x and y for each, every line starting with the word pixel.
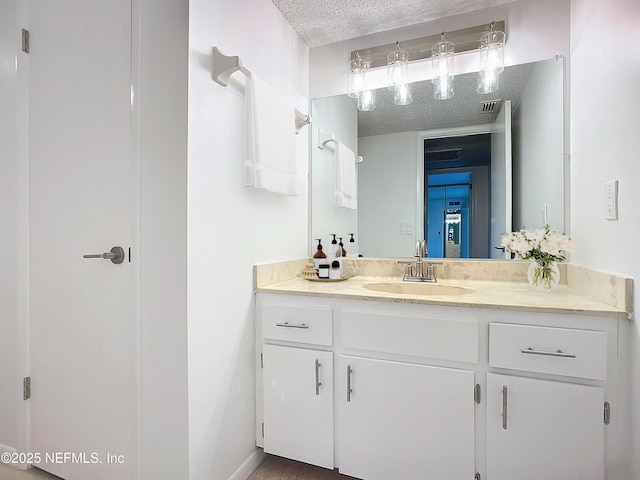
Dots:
pixel 226 65
pixel 324 138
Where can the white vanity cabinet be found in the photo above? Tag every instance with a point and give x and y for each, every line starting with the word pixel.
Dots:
pixel 546 428
pixel 543 429
pixel 401 420
pixel 414 391
pixel 298 404
pixel 398 413
pixel 297 383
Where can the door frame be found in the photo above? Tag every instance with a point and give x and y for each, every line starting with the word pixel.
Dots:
pixel 437 133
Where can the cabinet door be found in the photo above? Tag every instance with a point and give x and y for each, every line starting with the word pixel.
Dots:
pixel 539 429
pixel 405 421
pixel 298 404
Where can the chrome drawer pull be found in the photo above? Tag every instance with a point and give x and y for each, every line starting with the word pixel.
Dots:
pixel 292 325
pixel 318 382
pixel 504 407
pixel 349 390
pixel 558 353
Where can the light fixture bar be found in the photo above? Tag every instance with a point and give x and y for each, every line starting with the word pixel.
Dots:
pixel 465 40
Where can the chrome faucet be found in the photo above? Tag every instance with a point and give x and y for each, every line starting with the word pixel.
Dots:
pixel 415 272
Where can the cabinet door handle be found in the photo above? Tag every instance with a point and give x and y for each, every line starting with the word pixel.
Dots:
pixel 318 382
pixel 292 325
pixel 557 353
pixel 349 372
pixel 504 407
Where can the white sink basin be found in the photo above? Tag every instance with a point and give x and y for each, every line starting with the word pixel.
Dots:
pixel 418 288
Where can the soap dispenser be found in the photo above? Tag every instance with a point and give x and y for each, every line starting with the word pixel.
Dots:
pixel 334 247
pixel 336 263
pixel 319 257
pixel 353 247
pixel 343 252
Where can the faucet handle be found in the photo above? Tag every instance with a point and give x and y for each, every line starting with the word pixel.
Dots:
pixel 408 270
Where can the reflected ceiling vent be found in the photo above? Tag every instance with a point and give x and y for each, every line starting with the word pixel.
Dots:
pixel 491 106
pixel 447 155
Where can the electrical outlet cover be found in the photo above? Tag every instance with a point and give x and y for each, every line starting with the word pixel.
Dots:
pixel 611 200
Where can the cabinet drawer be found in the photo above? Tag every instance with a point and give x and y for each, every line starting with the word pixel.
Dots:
pixel 436 338
pixel 298 324
pixel 558 351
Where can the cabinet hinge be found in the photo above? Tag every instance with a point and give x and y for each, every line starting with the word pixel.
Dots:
pixel 262 360
pixel 26 388
pixel 607 413
pixel 25 40
pixel 477 393
pixel 478 476
pixel 262 429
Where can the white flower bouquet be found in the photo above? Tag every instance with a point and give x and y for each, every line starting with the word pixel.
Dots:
pixel 544 246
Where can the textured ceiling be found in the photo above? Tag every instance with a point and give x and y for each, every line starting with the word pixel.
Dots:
pixel 321 22
pixel 465 108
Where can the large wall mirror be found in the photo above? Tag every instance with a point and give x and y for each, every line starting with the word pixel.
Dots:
pixel 457 172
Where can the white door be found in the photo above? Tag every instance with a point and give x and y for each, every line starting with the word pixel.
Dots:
pixel 501 180
pixel 83 322
pixel 552 430
pixel 298 404
pixel 405 421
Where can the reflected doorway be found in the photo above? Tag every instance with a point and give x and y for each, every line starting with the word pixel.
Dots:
pixel 457 196
pixel 449 215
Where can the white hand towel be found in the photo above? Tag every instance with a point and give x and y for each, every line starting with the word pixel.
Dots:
pixel 270 161
pixel 345 182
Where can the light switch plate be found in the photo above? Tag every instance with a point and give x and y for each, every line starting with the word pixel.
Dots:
pixel 406 228
pixel 611 200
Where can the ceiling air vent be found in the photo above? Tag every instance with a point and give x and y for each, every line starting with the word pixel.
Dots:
pixel 447 155
pixel 491 106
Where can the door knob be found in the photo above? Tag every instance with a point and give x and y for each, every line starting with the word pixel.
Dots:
pixel 116 255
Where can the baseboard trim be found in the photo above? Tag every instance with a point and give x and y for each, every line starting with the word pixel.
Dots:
pixel 249 465
pixel 7 449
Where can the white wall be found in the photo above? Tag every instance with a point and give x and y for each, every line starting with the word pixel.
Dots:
pixel 338 116
pixel 536 30
pixel 538 154
pixel 159 138
pixel 388 173
pixel 230 226
pixel 605 46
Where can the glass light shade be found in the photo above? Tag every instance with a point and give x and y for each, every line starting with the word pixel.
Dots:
pixel 488 82
pixel 442 60
pixel 367 100
pixel 402 95
pixel 357 77
pixel 491 61
pixel 397 68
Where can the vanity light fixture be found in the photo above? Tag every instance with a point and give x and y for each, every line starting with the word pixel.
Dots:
pixel 442 59
pixel 487 40
pixel 397 74
pixel 491 60
pixel 367 100
pixel 356 82
pixel 402 95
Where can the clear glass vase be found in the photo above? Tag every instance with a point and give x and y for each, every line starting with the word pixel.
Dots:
pixel 543 276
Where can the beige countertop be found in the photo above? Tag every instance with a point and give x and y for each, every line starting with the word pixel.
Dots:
pixel 514 294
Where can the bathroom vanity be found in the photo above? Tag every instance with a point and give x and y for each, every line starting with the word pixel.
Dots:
pixel 493 380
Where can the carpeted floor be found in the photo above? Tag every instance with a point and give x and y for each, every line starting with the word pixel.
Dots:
pixel 277 468
pixel 9 472
pixel 273 468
